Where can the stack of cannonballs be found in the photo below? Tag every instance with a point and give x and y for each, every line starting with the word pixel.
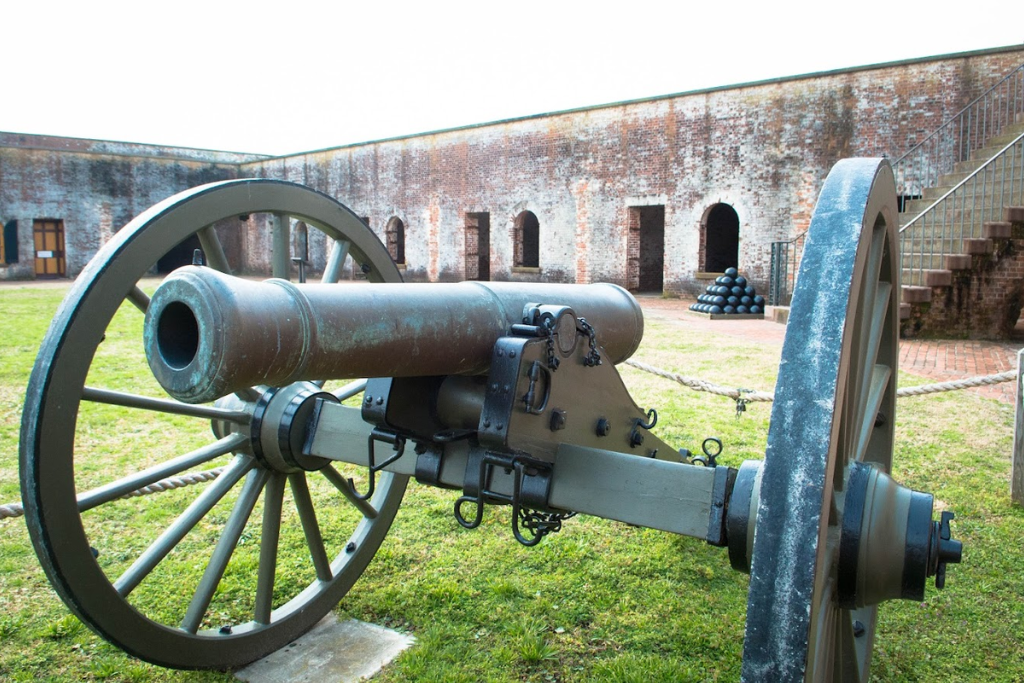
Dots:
pixel 730 295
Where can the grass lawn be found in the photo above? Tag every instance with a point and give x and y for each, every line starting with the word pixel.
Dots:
pixel 600 601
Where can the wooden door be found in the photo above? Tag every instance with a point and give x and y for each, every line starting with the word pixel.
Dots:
pixel 48 236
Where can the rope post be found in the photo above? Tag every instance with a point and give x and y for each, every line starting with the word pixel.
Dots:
pixel 1017 466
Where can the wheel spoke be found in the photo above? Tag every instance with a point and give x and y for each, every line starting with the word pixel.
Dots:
pixel 121 398
pixel 350 389
pixel 851 649
pixel 272 504
pixel 281 256
pixel 178 529
pixel 874 330
pixel 116 489
pixel 341 483
pixel 310 527
pixel 224 549
pixel 880 375
pixel 332 272
pixel 213 250
pixel 139 298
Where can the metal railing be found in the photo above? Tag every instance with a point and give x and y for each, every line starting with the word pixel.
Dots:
pixel 957 138
pixel 785 260
pixel 960 213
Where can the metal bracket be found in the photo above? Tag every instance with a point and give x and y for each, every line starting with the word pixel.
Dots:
pixel 530 488
pixel 396 441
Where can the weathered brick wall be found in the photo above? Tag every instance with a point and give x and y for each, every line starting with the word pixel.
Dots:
pixel 983 302
pixel 94 187
pixel 764 149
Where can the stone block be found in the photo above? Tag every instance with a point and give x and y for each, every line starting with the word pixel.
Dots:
pixel 977 245
pixel 1014 214
pixel 958 261
pixel 938 278
pixel 904 311
pixel 996 229
pixel 916 295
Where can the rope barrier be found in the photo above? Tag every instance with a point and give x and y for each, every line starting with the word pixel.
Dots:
pixel 740 395
pixel 750 396
pixel 16 509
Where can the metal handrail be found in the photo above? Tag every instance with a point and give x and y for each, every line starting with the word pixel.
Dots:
pixel 980 197
pixel 955 140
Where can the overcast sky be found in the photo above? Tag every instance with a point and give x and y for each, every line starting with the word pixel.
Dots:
pixel 293 76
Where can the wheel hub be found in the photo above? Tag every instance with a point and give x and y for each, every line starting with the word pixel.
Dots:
pixel 278 429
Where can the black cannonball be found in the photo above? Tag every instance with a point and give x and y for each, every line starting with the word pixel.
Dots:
pixel 749 291
pixel 737 291
pixel 746 300
pixel 742 309
pixel 759 300
pixel 716 310
pixel 719 300
pixel 729 309
pixel 731 272
pixel 755 309
pixel 740 280
pixel 733 301
pixel 693 307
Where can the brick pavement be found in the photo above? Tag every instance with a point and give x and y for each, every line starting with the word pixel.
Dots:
pixel 935 360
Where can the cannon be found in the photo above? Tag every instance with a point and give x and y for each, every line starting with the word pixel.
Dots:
pixel 505 393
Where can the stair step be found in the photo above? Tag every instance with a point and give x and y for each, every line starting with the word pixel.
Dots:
pixel 904 311
pixel 958 261
pixel 938 278
pixel 1014 214
pixel 997 229
pixel 916 295
pixel 977 245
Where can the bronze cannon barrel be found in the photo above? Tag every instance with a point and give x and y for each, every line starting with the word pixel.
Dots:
pixel 208 334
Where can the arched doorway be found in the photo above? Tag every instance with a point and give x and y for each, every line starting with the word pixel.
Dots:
pixel 395 239
pixel 721 238
pixel 526 240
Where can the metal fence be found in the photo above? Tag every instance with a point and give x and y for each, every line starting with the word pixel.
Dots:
pixel 785 260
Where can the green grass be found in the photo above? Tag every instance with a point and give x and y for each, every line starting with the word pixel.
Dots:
pixel 600 601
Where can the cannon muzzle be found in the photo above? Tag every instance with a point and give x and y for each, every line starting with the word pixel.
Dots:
pixel 208 334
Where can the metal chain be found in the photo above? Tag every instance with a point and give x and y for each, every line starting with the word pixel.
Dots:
pixel 593 357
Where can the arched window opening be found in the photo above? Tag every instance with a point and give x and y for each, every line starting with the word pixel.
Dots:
pixel 395 236
pixel 526 239
pixel 722 242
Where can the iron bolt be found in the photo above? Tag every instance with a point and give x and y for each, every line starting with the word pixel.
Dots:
pixel 557 419
pixel 603 427
pixel 351 547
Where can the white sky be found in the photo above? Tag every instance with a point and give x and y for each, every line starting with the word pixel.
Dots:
pixel 294 75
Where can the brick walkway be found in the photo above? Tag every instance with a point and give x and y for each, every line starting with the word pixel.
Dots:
pixel 938 361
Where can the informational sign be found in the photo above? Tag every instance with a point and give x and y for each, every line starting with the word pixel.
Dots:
pixel 44 254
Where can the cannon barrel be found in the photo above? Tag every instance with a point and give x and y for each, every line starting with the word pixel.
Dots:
pixel 208 334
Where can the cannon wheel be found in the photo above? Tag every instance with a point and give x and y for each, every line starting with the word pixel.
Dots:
pixel 834 404
pixel 67 524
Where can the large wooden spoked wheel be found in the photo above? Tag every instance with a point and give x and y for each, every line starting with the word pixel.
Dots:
pixel 217 574
pixel 834 406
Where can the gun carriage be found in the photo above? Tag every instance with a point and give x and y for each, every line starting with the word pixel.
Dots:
pixel 506 393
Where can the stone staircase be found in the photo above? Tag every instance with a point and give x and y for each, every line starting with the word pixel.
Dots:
pixel 963 278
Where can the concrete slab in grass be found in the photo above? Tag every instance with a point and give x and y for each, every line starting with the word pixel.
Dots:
pixel 333 651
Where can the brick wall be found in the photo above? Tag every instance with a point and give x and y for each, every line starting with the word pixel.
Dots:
pixel 762 148
pixel 93 187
